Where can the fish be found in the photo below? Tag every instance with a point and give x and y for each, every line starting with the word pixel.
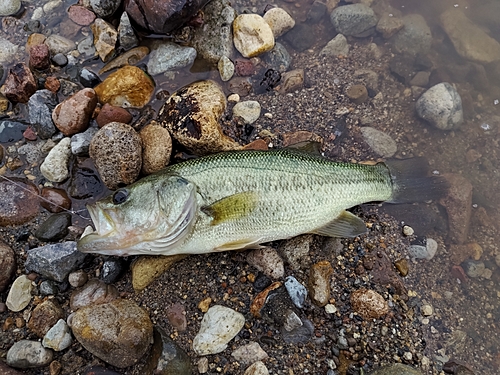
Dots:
pixel 242 199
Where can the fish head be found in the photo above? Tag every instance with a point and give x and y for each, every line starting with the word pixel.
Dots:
pixel 150 217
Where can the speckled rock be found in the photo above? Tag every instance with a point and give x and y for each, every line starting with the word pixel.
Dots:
pixel 192 117
pixel 354 20
pixel 369 304
pixel 126 34
pixel 226 68
pixel 39 57
pixel 336 47
pixel 248 110
pixel 19 294
pixel 17 205
pixel 295 251
pixel 44 317
pixel 127 87
pixel 105 37
pixel 55 166
pixel 81 15
pixel 7 51
pixel 146 269
pixel 319 282
pixel 268 261
pixel 95 292
pixel 279 20
pixel 117 153
pixel 396 369
pixel 219 326
pixel 176 315
pixel 73 114
pixel 381 143
pixel 156 147
pixel 54 228
pixel 441 106
pixel 425 250
pixel 58 337
pixel 104 8
pixel 252 35
pixel 296 291
pixel 278 58
pixel 257 368
pixel 9 7
pixel 20 84
pixel 28 354
pixel 249 353
pixel 170 56
pixel 118 332
pixel 415 37
pixel 7 265
pixel 40 107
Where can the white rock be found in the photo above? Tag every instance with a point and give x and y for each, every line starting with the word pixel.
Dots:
pixel 335 47
pixel 9 7
pixel 279 20
pixel 249 353
pixel 226 68
pixel 219 326
pixel 51 6
pixel 252 35
pixel 248 110
pixel 55 166
pixel 380 142
pixel 19 294
pixel 330 309
pixel 268 261
pixel 427 310
pixel 424 252
pixel 441 106
pixel 7 51
pixel 170 56
pixel 58 337
pixel 258 368
pixel 28 354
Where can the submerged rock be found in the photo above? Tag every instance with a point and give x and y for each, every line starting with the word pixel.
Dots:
pixel 415 37
pixel 252 35
pixel 441 106
pixel 170 56
pixel 20 84
pixel 18 203
pixel 354 20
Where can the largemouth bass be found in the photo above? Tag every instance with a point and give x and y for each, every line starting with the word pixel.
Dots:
pixel 240 199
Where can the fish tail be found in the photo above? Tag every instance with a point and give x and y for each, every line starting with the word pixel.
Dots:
pixel 411 181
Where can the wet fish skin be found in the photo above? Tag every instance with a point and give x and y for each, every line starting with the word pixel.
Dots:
pixel 240 199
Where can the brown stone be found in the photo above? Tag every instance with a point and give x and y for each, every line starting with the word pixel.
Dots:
pixel 20 84
pixel 81 15
pixel 52 84
pixel 260 299
pixel 300 137
pixel 95 292
pixel 291 81
pixel 40 57
pixel 55 200
pixel 357 93
pixel 156 147
pixel 319 282
pixel 44 317
pixel 146 269
pixel 369 304
pixel 18 203
pixel 402 266
pixel 110 113
pixel 7 265
pixel 258 144
pixel 73 115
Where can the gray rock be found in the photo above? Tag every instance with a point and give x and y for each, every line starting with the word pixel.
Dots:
pixel 336 46
pixel 268 261
pixel 19 294
pixel 28 354
pixel 278 58
pixel 86 46
pixel 441 106
pixel 415 37
pixel 300 334
pixel 396 369
pixel 214 38
pixel 60 59
pixel 58 337
pixel 104 8
pixel 126 35
pixel 226 68
pixel 301 37
pixel 296 291
pixel 32 151
pixel 95 292
pixel 381 143
pixel 296 251
pixel 249 353
pixel 170 56
pixel 55 261
pixel 59 44
pixel 425 250
pixel 354 20
pixel 80 142
pixel 48 288
pixel 7 51
pixel 9 7
pixel 473 268
pixel 40 107
pixel 78 278
pixel 54 228
pixel 11 131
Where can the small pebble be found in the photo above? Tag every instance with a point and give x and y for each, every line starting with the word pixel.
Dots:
pixel 427 310
pixel 408 231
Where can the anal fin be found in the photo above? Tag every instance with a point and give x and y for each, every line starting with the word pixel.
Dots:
pixel 344 225
pixel 245 243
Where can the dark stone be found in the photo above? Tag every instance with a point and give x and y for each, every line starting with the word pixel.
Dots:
pixel 316 12
pixel 278 58
pixel 112 269
pixel 60 59
pixel 20 84
pixel 261 282
pixel 402 67
pixel 55 200
pixel 84 183
pixel 54 228
pixel 33 26
pixel 300 334
pixel 88 78
pixel 40 107
pixel 48 288
pixel 422 62
pixel 11 131
pixel 18 201
pixel 301 37
pixel 162 17
pixel 99 370
pixel 7 265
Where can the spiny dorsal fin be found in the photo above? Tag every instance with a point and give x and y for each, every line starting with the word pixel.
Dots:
pixel 233 207
pixel 344 225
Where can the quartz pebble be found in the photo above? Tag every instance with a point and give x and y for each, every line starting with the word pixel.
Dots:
pixel 28 354
pixel 279 20
pixel 55 166
pixel 252 35
pixel 19 294
pixel 226 68
pixel 58 337
pixel 427 310
pixel 248 110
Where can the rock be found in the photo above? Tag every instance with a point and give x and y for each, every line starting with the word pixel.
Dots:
pixel 95 292
pixel 20 84
pixel 248 110
pixel 80 143
pixel 118 332
pixel 279 20
pixel 132 57
pixel 292 80
pixel 112 270
pixel 396 369
pixel 54 228
pixel 39 57
pixel 44 317
pixel 357 93
pixel 473 268
pixel 19 294
pixel 213 40
pixel 301 37
pixel 156 147
pixel 104 8
pixel 219 326
pixel 126 35
pixel 40 107
pixel 78 278
pixel 441 106
pixel 295 251
pixel 9 7
pixel 7 51
pixel 192 116
pixel 415 37
pixel 319 282
pixel 425 250
pixel 166 357
pixel 11 131
pixel 225 68
pixel 86 46
pixel 48 288
pixel 117 153
pixel 59 44
pixel 470 40
pixel 59 59
pixel 252 35
pixel 369 304
pixel 338 46
pixel 88 78
pixel 420 79
pixel 176 315
pixel 244 67
pixel 18 203
pixel 249 353
pixel 268 261
pixel 357 20
pixel 28 354
pixel 146 269
pixel 277 58
pixel 81 15
pixel 388 25
pixel 58 337
pixel 427 310
pixel 73 114
pixel 55 166
pixel 55 200
pixel 402 67
pixel 7 265
pixel 105 37
pixel 127 87
pixel 296 291
pixel 381 143
pixel 170 56
pixel 257 368
pixel 300 334
pixel 55 261
pixel 110 113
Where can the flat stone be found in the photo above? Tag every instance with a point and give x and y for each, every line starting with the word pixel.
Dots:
pixel 338 46
pixel 146 269
pixel 54 228
pixel 415 37
pixel 296 291
pixel 55 166
pixel 17 205
pixel 28 354
pixel 381 143
pixel 268 261
pixel 19 294
pixel 59 44
pixel 170 56
pixel 81 15
pixel 252 35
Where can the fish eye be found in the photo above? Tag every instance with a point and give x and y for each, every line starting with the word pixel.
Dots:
pixel 120 196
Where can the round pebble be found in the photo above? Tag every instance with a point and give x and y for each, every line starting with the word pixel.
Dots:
pixel 156 147
pixel 248 110
pixel 369 304
pixel 28 354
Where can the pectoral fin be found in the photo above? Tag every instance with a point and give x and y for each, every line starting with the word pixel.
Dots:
pixel 233 207
pixel 344 225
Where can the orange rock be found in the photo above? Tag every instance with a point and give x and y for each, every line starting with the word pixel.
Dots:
pixel 260 300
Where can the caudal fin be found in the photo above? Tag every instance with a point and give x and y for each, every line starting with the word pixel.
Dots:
pixel 412 183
